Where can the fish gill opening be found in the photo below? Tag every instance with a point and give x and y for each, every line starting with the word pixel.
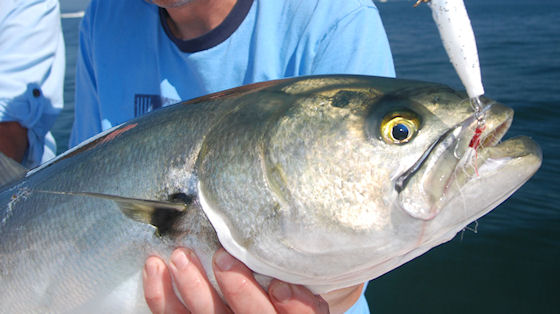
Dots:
pixel 164 219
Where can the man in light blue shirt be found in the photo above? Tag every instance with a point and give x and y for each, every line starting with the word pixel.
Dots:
pixel 130 61
pixel 136 56
pixel 31 78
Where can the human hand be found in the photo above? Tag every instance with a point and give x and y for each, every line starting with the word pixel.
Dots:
pixel 239 288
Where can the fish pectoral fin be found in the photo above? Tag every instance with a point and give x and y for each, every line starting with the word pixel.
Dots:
pixel 160 214
pixel 10 170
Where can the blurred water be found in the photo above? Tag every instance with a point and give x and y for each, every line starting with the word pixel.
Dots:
pixel 512 263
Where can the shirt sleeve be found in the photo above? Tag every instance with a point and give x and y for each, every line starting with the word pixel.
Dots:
pixel 356 43
pixel 32 64
pixel 87 118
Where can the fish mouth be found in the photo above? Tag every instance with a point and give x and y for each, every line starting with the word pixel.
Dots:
pixel 471 151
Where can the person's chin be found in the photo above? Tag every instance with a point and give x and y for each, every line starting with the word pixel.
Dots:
pixel 170 3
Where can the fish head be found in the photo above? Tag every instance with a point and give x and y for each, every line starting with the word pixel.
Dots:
pixel 364 178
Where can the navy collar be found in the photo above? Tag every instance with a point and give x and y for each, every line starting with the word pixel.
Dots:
pixel 216 36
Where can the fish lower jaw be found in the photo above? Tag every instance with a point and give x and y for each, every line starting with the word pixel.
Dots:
pixel 513 161
pixel 490 160
pixel 500 171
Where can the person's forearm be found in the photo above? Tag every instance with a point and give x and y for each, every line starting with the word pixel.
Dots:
pixel 13 140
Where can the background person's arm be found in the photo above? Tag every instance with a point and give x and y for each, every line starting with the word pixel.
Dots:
pixel 32 64
pixel 13 140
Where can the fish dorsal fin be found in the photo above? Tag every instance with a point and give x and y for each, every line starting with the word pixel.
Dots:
pixel 10 170
pixel 160 214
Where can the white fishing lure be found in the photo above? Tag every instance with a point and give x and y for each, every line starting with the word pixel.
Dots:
pixel 458 39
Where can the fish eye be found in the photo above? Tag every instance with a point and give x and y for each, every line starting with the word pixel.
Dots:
pixel 399 127
pixel 400 132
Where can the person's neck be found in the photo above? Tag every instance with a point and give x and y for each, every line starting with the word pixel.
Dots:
pixel 197 18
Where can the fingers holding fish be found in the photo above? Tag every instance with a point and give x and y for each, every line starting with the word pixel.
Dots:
pixel 245 295
pixel 239 287
pixel 192 284
pixel 237 283
pixel 158 290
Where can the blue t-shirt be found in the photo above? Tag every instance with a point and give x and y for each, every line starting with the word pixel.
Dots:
pixel 129 63
pixel 32 65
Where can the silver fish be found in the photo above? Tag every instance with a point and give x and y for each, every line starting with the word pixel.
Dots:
pixel 324 181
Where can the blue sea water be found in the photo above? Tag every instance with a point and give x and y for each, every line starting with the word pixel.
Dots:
pixel 511 264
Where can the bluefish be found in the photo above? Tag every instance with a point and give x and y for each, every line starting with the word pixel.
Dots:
pixel 324 181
